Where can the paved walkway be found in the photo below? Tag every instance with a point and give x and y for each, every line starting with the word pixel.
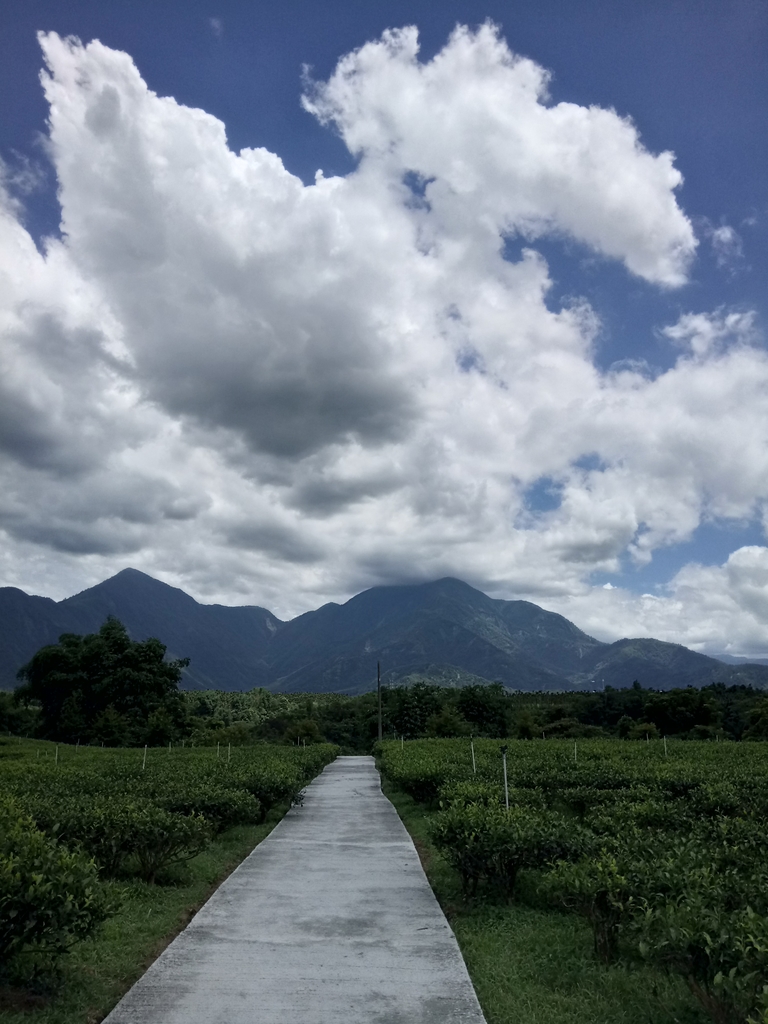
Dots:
pixel 330 920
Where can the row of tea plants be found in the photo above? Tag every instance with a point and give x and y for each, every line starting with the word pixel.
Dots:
pixel 72 817
pixel 662 848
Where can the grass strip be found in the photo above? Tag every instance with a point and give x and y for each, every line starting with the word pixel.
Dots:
pixel 533 965
pixel 98 972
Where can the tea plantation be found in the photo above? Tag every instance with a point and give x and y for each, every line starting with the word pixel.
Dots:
pixel 661 847
pixel 83 831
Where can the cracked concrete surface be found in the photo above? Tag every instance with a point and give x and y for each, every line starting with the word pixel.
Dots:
pixel 330 920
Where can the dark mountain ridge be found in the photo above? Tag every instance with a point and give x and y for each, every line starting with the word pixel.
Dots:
pixel 445 630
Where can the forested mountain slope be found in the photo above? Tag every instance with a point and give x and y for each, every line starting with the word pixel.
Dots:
pixel 444 630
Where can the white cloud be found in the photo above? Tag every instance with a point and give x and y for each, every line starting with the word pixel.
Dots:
pixel 475 125
pixel 715 609
pixel 266 391
pixel 704 334
pixel 727 245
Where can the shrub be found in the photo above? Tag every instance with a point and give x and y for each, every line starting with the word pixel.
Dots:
pixel 705 916
pixel 50 897
pixel 164 838
pixel 492 844
pixel 271 784
pixel 467 794
pixel 223 808
pixel 599 888
pixel 722 955
pixel 487 794
pixel 115 829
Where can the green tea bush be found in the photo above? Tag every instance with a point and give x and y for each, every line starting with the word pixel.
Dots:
pixel 705 916
pixel 120 831
pixel 68 813
pixel 417 771
pixel 467 794
pixel 464 794
pixel 100 826
pixel 163 838
pixel 488 842
pixel 721 953
pixel 602 888
pixel 638 809
pixel 270 784
pixel 223 808
pixel 50 897
pixel 104 802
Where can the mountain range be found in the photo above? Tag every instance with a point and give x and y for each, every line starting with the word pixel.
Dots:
pixel 445 631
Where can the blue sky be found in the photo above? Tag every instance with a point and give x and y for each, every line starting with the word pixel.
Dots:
pixel 391 478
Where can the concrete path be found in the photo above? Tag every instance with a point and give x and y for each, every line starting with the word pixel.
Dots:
pixel 330 920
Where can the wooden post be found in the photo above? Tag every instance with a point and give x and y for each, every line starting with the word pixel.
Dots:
pixel 506 787
pixel 57 753
pixel 144 762
pixel 575 761
pixel 378 689
pixel 665 746
pixel 472 748
pixel 229 753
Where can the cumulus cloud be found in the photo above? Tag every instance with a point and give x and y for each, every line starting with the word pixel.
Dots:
pixel 714 609
pixel 475 126
pixel 264 390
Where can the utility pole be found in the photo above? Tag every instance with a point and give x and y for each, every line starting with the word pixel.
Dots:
pixel 378 689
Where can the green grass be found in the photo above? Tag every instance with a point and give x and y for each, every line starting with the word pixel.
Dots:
pixel 532 965
pixel 98 972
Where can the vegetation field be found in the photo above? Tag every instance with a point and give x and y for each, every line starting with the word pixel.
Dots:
pixel 624 882
pixel 105 853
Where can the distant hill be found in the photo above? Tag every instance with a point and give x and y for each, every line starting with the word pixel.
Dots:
pixel 444 631
pixel 226 645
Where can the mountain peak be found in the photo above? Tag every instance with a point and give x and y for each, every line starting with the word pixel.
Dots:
pixel 440 630
pixel 132 581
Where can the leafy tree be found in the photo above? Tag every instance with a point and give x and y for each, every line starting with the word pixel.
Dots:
pixel 105 687
pixel 643 731
pixel 526 726
pixel 306 730
pixel 14 718
pixel 410 708
pixel 447 723
pixel 758 721
pixel 485 707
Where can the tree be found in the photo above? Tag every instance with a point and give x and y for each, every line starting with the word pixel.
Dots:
pixel 485 707
pixel 410 707
pixel 758 721
pixel 104 687
pixel 13 718
pixel 449 722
